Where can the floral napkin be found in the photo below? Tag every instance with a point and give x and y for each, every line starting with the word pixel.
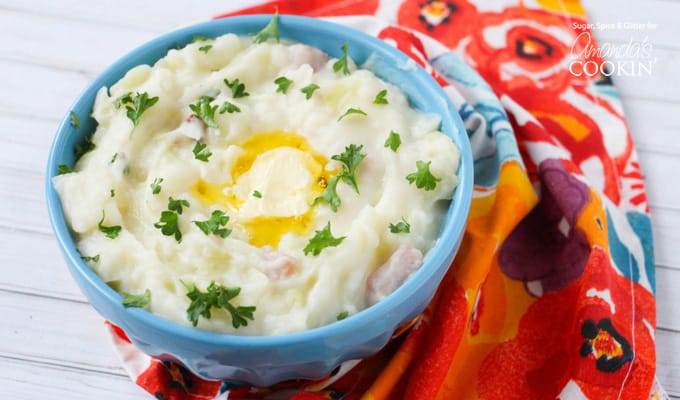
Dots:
pixel 552 292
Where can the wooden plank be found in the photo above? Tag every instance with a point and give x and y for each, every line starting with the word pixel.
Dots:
pixel 26 380
pixel 61 332
pixel 79 47
pixel 653 124
pixel 659 170
pixel 26 142
pixel 23 199
pixel 661 13
pixel 666 234
pixel 28 271
pixel 668 360
pixel 667 299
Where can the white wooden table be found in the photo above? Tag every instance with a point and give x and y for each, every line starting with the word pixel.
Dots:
pixel 53 344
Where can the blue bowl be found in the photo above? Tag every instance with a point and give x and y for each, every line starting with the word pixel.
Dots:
pixel 312 354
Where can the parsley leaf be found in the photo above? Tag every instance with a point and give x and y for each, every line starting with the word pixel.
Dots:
pixel 423 178
pixel 257 194
pixel 111 232
pixel 342 315
pixel 176 205
pixel 351 158
pixel 169 226
pixel 201 152
pixel 330 195
pixel 217 219
pixel 272 29
pixel 216 296
pixel 284 83
pixel 86 147
pixel 200 38
pixel 135 105
pixel 309 90
pixel 113 159
pixel 343 62
pixel 352 111
pixel 204 111
pixel 156 185
pixel 205 49
pixel 393 141
pixel 63 169
pixel 113 192
pixel 88 259
pixel 238 89
pixel 137 300
pixel 380 97
pixel 74 119
pixel 400 227
pixel 229 107
pixel 322 239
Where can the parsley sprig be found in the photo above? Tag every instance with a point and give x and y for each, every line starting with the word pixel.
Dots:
pixel 283 84
pixel 309 90
pixel 215 224
pixel 322 238
pixel 272 29
pixel 229 107
pixel 135 104
pixel 400 227
pixel 380 97
pixel 169 221
pixel 352 111
pixel 423 178
pixel 111 232
pixel 216 296
pixel 350 158
pixel 330 194
pixel 201 152
pixel 393 141
pixel 238 89
pixel 204 111
pixel 156 186
pixel 343 62
pixel 137 300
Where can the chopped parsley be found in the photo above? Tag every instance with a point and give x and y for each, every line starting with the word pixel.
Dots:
pixel 204 111
pixel 216 296
pixel 86 147
pixel 272 29
pixel 63 169
pixel 330 194
pixel 113 159
pixel 74 119
pixel 309 90
pixel 110 232
pixel 90 259
pixel 343 62
pixel 350 158
pixel 201 152
pixel 322 239
pixel 238 89
pixel 156 186
pixel 169 222
pixel 393 141
pixel 342 315
pixel 137 300
pixel 400 227
pixel 200 38
pixel 135 104
pixel 256 193
pixel 229 108
pixel 177 205
pixel 423 178
pixel 380 97
pixel 113 192
pixel 205 49
pixel 352 111
pixel 215 224
pixel 283 83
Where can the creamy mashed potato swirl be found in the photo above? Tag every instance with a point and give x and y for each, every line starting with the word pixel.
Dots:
pixel 268 163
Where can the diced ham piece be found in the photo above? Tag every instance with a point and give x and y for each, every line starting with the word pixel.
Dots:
pixel 393 273
pixel 303 54
pixel 277 265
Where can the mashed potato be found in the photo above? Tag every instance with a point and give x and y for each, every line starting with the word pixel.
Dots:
pixel 228 177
